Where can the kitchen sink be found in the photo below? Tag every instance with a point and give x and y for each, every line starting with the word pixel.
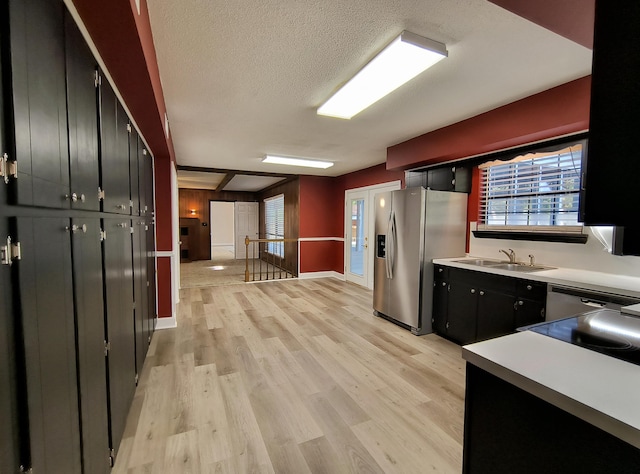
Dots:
pixel 480 262
pixel 516 267
pixel 519 267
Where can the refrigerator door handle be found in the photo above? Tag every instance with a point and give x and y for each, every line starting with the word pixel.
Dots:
pixel 392 245
pixel 388 248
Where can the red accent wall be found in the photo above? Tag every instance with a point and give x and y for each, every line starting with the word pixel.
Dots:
pixel 553 113
pixel 125 43
pixel 164 237
pixel 318 201
pixel 368 177
pixel 165 303
pixel 322 215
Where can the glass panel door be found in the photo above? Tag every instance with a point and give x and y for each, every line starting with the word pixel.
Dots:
pixel 357 237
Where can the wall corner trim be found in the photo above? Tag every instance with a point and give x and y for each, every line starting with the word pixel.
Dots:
pixel 166 323
pixel 329 274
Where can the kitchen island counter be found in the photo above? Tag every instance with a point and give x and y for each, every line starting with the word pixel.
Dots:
pixel 529 397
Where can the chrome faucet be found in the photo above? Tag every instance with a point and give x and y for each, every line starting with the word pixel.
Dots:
pixel 511 254
pixel 532 260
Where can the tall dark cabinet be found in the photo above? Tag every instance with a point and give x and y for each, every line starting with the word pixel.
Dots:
pixel 77 249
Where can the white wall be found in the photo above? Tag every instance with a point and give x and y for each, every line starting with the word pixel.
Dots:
pixel 590 256
pixel 222 224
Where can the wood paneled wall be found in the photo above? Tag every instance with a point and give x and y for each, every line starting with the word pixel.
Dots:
pixel 198 199
pixel 291 191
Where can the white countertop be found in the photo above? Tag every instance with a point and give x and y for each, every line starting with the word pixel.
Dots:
pixel 590 280
pixel 599 389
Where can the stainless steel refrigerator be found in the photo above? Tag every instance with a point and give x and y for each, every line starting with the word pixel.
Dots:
pixel 412 227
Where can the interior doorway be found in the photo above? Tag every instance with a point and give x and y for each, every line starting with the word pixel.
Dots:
pixel 222 230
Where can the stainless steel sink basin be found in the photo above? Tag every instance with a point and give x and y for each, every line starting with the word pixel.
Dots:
pixel 517 267
pixel 480 262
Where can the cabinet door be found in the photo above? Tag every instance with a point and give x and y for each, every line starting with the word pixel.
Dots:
pixel 114 152
pixel 48 327
pixel 463 306
pixel 120 323
pixel 87 271
pixel 495 314
pixel 134 170
pixel 83 119
pixel 151 275
pixel 9 431
pixel 528 312
pixel 39 102
pixel 611 163
pixel 440 301
pixel 139 295
pixel 3 138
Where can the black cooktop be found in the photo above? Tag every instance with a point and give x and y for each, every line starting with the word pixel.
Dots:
pixel 604 330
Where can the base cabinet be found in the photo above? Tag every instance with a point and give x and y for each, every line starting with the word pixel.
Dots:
pixel 470 306
pixel 48 327
pixel 508 430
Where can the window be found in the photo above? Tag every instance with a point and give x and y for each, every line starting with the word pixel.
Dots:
pixel 537 192
pixel 274 223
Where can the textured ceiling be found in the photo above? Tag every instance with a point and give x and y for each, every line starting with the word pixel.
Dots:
pixel 242 79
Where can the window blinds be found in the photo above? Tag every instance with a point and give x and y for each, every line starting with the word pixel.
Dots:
pixel 274 223
pixel 540 190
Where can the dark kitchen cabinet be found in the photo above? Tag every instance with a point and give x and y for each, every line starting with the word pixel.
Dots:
pixel 530 302
pixel 140 294
pixel 462 313
pixel 91 338
pixel 474 305
pixel 509 430
pixel 495 313
pixel 446 178
pixel 77 277
pixel 9 401
pixel 83 119
pixel 47 324
pixel 4 143
pixel 121 334
pixel 135 149
pixel 615 98
pixel 440 299
pixel 39 112
pixel 151 276
pixel 114 152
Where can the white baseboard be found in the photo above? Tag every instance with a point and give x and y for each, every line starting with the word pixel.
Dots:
pixel 330 274
pixel 166 323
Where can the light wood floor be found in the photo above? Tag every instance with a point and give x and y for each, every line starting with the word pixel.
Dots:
pixel 293 377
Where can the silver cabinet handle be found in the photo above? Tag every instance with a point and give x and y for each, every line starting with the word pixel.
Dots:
pixel 482 293
pixel 473 290
pixel 529 287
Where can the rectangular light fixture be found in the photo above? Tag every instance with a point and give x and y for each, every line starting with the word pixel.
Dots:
pixel 403 59
pixel 283 160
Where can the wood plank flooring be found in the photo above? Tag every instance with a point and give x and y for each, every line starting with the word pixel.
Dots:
pixel 296 377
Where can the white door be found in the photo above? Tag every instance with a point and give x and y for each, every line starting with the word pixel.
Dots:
pixel 357 237
pixel 246 225
pixel 222 233
pixel 360 232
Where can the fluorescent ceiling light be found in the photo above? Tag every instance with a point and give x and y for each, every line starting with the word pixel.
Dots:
pixel 282 160
pixel 403 59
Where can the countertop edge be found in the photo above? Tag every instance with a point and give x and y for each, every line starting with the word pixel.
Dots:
pixel 553 276
pixel 607 423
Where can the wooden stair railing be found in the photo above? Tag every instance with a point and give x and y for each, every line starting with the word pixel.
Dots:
pixel 261 257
